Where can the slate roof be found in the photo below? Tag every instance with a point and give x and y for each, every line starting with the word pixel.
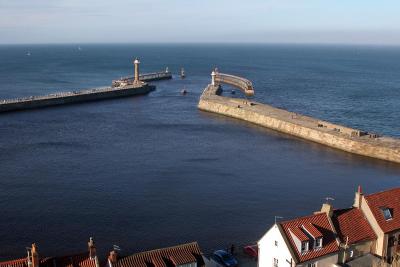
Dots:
pixel 386 199
pixel 321 222
pixel 352 223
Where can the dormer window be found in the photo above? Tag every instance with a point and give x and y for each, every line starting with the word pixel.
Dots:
pixel 318 242
pixel 387 214
pixel 304 246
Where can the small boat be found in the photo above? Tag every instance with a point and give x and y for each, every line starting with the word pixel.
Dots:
pixel 28 53
pixel 183 91
pixel 183 73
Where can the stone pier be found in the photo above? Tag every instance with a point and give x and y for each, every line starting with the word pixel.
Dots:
pixel 322 132
pixel 124 87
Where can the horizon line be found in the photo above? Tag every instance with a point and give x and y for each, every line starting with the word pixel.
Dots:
pixel 211 43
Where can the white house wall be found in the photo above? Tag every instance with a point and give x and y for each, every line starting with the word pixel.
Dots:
pixel 268 251
pixel 380 242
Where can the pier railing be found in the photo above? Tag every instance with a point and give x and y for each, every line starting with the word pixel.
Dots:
pixel 56 95
pixel 245 85
pixel 146 77
pixel 154 76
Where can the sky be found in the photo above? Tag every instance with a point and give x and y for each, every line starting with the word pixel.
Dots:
pixel 200 21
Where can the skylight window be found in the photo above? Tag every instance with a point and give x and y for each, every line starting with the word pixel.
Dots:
pixel 387 214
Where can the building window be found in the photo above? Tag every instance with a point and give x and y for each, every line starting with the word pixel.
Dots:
pixel 318 243
pixel 275 262
pixel 276 243
pixel 304 247
pixel 387 214
pixel 312 264
pixel 193 264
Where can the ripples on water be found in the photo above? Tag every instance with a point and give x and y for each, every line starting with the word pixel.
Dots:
pixel 153 171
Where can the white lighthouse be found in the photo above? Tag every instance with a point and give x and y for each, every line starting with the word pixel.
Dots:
pixel 213 74
pixel 136 63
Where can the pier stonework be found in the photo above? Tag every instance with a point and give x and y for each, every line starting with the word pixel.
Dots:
pixel 124 87
pixel 326 133
pixel 243 84
pixel 73 97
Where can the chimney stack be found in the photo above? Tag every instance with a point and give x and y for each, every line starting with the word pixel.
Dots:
pixel 358 198
pixel 328 209
pixel 113 257
pixel 35 256
pixel 92 248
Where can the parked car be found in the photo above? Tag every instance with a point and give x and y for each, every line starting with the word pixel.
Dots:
pixel 251 250
pixel 224 258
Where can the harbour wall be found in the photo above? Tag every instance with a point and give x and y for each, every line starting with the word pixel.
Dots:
pixel 243 84
pixel 73 97
pixel 124 87
pixel 146 77
pixel 326 133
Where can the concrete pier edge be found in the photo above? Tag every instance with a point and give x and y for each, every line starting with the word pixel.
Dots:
pixel 322 132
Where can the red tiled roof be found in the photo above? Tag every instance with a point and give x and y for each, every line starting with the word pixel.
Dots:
pixel 352 223
pixel 388 199
pixel 165 257
pixel 312 230
pixel 77 260
pixel 321 222
pixel 298 233
pixel 15 263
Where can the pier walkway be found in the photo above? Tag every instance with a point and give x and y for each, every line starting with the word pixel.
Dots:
pixel 323 132
pixel 147 77
pixel 64 98
pixel 128 86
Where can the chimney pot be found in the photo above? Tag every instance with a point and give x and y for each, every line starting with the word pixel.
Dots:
pixel 113 256
pixel 358 198
pixel 35 256
pixel 92 248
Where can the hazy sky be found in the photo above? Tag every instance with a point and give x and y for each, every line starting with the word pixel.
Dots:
pixel 287 21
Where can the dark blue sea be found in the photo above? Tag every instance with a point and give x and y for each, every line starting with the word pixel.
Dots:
pixel 152 171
